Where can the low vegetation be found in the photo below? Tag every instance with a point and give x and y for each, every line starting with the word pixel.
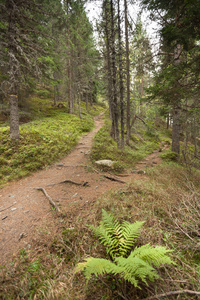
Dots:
pixel 43 140
pixel 105 147
pixel 168 203
pixel 165 201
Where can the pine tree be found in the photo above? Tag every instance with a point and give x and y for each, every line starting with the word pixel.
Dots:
pixel 25 43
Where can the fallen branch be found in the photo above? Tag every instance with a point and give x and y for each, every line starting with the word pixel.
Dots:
pixel 172 293
pixel 52 203
pixel 113 178
pixel 73 166
pixel 66 181
pixel 8 207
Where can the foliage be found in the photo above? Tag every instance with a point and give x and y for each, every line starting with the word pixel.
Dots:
pixel 169 156
pixel 119 240
pixel 168 202
pixel 43 141
pixel 104 147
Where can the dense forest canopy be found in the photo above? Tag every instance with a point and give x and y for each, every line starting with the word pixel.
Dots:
pixel 52 44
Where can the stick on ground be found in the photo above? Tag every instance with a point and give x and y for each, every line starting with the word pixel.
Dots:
pixel 172 293
pixel 52 203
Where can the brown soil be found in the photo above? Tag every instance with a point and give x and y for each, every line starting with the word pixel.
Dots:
pixel 24 209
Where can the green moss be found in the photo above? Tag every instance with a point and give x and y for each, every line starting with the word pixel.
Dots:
pixel 104 147
pixel 42 142
pixel 169 156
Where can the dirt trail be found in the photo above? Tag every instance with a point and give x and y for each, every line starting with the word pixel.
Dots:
pixel 23 208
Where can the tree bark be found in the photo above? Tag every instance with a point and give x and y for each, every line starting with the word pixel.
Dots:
pixel 121 87
pixel 14 117
pixel 114 77
pixel 176 107
pixel 109 73
pixel 128 129
pixel 176 129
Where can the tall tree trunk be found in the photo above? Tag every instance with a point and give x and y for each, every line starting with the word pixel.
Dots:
pixel 114 74
pixel 121 87
pixel 109 73
pixel 79 104
pixel 70 98
pixel 176 107
pixel 128 118
pixel 14 116
pixel 176 129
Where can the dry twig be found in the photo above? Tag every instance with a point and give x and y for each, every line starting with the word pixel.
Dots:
pixel 172 293
pixel 7 207
pixel 52 203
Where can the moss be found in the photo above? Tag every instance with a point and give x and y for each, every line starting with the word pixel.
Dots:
pixel 169 156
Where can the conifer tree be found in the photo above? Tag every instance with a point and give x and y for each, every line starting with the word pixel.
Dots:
pixel 24 44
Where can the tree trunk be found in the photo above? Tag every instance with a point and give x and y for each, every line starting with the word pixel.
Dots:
pixel 79 104
pixel 56 96
pixel 121 87
pixel 176 129
pixel 70 98
pixel 128 75
pixel 114 75
pixel 14 117
pixel 176 107
pixel 109 73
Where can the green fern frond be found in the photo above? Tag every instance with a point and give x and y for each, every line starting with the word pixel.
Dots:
pixel 153 255
pixel 97 267
pixel 130 232
pixel 117 238
pixel 135 269
pixel 109 233
pixel 109 241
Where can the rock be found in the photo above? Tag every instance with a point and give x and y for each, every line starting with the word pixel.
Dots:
pixel 105 163
pixel 141 172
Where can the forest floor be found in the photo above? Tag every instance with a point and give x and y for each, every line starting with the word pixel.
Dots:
pixel 72 183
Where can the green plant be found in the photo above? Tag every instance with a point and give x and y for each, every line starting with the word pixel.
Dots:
pixel 118 240
pixel 169 156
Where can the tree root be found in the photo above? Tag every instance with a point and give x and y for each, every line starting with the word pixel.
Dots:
pixel 113 178
pixel 69 181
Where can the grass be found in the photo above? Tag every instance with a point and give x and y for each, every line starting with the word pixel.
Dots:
pixel 168 203
pixel 167 200
pixel 42 141
pixel 105 147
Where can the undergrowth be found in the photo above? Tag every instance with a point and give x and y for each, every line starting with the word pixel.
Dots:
pixel 104 147
pixel 42 141
pixel 168 202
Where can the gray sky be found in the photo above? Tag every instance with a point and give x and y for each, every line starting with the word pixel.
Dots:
pixel 94 10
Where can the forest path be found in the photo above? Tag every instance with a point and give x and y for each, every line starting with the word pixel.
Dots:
pixel 24 209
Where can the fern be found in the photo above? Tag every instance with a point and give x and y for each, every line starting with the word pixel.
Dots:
pixel 118 240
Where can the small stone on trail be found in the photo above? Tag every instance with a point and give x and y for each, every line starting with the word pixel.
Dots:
pixel 12 209
pixel 75 195
pixel 141 172
pixel 105 162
